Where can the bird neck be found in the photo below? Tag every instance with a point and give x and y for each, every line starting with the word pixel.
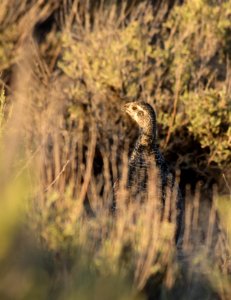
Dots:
pixel 147 136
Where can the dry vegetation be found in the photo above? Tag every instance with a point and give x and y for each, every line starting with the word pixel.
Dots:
pixel 66 69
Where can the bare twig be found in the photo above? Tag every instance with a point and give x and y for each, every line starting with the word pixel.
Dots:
pixel 58 176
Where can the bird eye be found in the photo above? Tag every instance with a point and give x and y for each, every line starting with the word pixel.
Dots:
pixel 140 114
pixel 134 108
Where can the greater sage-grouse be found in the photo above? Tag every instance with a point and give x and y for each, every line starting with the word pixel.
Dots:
pixel 145 156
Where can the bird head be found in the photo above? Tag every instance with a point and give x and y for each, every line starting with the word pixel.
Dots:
pixel 143 114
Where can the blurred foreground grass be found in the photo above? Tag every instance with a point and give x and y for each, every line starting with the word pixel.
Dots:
pixel 64 143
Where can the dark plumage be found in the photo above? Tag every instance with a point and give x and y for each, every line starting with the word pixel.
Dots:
pixel 146 155
pixel 146 152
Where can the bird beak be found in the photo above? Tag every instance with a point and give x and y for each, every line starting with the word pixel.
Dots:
pixel 124 108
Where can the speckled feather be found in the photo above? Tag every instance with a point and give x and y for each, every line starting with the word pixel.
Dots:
pixel 142 159
pixel 146 155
